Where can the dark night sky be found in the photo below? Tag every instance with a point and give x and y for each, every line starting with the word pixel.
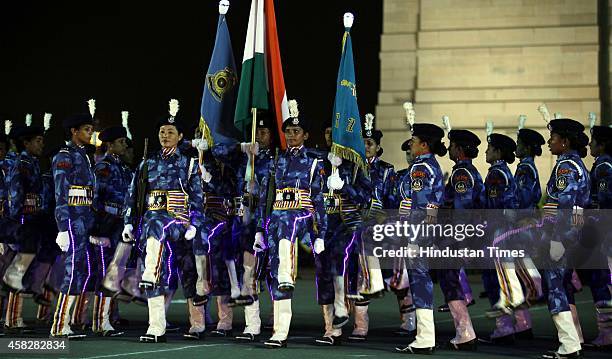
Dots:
pixel 136 56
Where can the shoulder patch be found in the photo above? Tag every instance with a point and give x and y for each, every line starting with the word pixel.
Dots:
pixel 63 165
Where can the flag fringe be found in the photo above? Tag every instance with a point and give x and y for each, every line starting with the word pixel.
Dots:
pixel 349 154
pixel 205 131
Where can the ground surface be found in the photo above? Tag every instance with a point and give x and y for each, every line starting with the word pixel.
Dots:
pixel 307 324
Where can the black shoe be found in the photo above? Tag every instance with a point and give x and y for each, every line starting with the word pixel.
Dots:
pixel 110 333
pixel 73 336
pixel 285 287
pixel 467 346
pixel 221 333
pixel 247 337
pixel 150 338
pixel 375 295
pixel 193 335
pixel 525 334
pixel 411 350
pixel 505 340
pixel 555 355
pixel 444 308
pixel 199 300
pixel 146 285
pixel 121 323
pixel 275 344
pixel 339 322
pixel 328 341
pixel 357 338
pixel 406 333
pixel 171 328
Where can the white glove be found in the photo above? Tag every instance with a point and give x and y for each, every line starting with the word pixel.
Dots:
pixel 100 241
pixel 3 248
pixel 556 250
pixel 190 233
pixel 319 245
pixel 250 148
pixel 206 176
pixel 334 159
pixel 63 241
pixel 335 182
pixel 259 245
pixel 413 250
pixel 128 234
pixel 200 144
pixel 94 240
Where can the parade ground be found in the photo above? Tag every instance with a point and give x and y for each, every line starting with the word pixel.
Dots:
pixel 307 324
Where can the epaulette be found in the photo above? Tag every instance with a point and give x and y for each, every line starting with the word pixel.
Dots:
pixel 64 149
pixel 316 154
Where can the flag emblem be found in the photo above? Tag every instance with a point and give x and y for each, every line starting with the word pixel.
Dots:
pixel 221 82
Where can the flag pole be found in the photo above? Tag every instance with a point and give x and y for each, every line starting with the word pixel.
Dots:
pixel 253 134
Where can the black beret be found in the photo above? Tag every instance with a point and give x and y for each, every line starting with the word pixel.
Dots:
pixel 15 130
pixel 168 120
pixel 264 120
pixel 601 133
pixel 565 126
pixel 28 131
pixel 296 121
pixel 375 135
pixel 530 137
pixel 502 141
pixel 75 121
pixel 112 133
pixel 427 130
pixel 464 137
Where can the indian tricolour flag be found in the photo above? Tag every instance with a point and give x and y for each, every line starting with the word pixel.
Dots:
pixel 262 85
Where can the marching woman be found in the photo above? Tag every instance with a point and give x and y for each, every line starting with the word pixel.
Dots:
pixel 427 192
pixel 567 193
pixel 172 212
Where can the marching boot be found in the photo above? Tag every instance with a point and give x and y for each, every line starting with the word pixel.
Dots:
pixel 116 268
pixel 282 322
pixel 503 332
pixel 287 265
pixel 340 310
pixel 202 283
pixel 156 333
pixel 362 322
pixel 512 296
pixel 568 337
pixel 249 290
pixel 407 315
pixel 332 335
pixel 79 314
pixel 13 277
pixel 61 318
pixel 576 320
pixel 252 323
pixel 14 321
pixel 226 317
pixel 233 278
pixel 196 320
pixel 522 326
pixel 101 317
pixel 465 338
pixel 425 341
pixel 153 265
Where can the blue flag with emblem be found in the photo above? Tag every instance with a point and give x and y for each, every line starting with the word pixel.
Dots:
pixel 220 91
pixel 346 123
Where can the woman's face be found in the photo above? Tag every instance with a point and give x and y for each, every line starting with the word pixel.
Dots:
pixel 557 144
pixel 169 136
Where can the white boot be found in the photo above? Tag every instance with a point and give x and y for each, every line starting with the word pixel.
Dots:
pixel 202 283
pixel 511 292
pixel 426 333
pixel 328 318
pixel 61 318
pixel 362 321
pixel 576 320
pixel 534 277
pixel 157 316
pixel 225 313
pixel 14 310
pixel 340 311
pixel 376 282
pixel 17 269
pixel 153 262
pixel 522 319
pixel 116 268
pixel 196 317
pixel 249 283
pixel 252 320
pixel 233 278
pixel 566 331
pixel 282 319
pixel 464 332
pixel 101 317
pixel 287 262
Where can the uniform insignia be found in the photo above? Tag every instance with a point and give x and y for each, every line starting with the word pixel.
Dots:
pixel 64 165
pixel 104 172
pixel 460 187
pixel 564 171
pixel 561 183
pixel 461 178
pixel 220 83
pixel 417 174
pixel 295 121
pixel 171 120
pixel 261 123
pixel 417 184
pixel 369 133
pixel 492 192
pixel 603 186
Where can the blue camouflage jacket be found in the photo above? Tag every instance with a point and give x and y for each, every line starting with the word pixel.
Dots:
pixel 528 184
pixel 601 182
pixel 25 187
pixel 72 170
pixel 426 182
pixel 465 188
pixel 113 180
pixel 500 187
pixel 383 178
